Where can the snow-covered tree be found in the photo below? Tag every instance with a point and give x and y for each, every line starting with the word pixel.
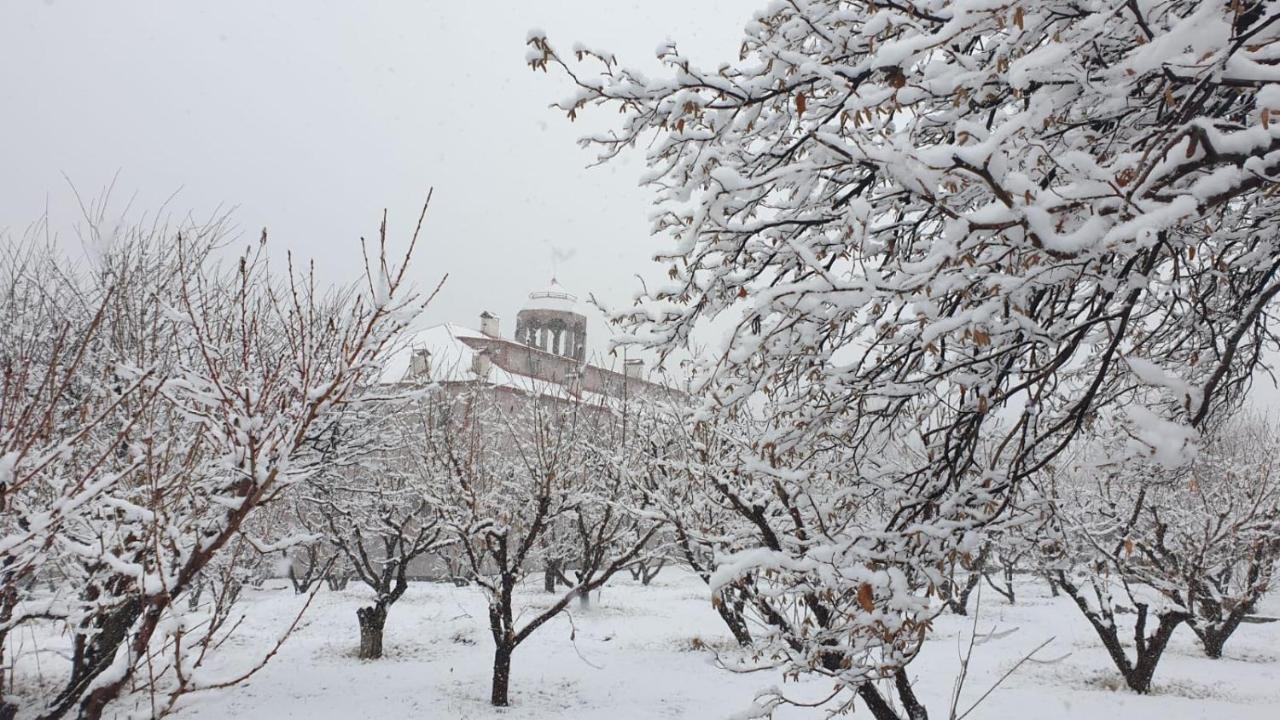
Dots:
pixel 313 561
pixel 191 395
pixel 1218 536
pixel 56 395
pixel 683 470
pixel 506 470
pixel 380 516
pixel 1195 544
pixel 1098 511
pixel 934 222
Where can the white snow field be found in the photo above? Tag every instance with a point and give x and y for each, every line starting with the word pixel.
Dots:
pixel 648 652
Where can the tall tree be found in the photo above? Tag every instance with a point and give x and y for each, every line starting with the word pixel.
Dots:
pixel 934 222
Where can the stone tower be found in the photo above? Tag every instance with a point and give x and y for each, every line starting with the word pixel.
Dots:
pixel 550 321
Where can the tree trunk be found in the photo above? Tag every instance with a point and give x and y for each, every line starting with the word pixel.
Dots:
pixel 372 620
pixel 907 694
pixel 501 676
pixel 737 625
pixel 8 711
pixel 95 649
pixel 1213 643
pixel 1008 585
pixel 958 599
pixel 646 572
pixel 875 702
pixel 1151 648
pixel 1053 586
pixel 193 599
pixel 1214 636
pixel 550 574
pixel 1148 649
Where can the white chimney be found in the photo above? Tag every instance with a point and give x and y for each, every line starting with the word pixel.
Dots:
pixel 633 368
pixel 420 364
pixel 489 324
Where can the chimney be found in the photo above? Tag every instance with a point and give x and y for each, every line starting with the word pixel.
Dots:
pixel 420 364
pixel 633 368
pixel 481 363
pixel 489 324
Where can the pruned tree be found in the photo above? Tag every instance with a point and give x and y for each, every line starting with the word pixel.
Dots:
pixel 1098 512
pixel 381 518
pixel 645 570
pixel 509 467
pixel 966 571
pixel 309 565
pixel 55 394
pixel 930 223
pixel 682 469
pixel 610 528
pixel 1219 535
pixel 1195 544
pixel 339 575
pixel 188 399
pixel 1014 552
pixel 553 566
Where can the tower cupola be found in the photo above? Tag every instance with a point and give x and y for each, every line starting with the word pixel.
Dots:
pixel 550 321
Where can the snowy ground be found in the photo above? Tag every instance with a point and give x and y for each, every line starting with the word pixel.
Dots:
pixel 633 655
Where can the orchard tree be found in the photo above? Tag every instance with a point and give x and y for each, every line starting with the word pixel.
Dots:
pixel 1218 536
pixel 1195 544
pixel 507 468
pixel 933 222
pixel 683 471
pixel 310 564
pixel 1012 552
pixel 1101 503
pixel 955 592
pixel 184 394
pixel 381 517
pixel 55 394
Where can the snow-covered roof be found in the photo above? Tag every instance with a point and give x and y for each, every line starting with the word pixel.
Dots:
pixel 553 297
pixel 453 360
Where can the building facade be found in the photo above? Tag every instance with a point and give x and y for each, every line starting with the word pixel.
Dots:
pixel 547 356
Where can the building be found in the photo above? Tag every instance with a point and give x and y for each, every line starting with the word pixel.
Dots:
pixel 546 357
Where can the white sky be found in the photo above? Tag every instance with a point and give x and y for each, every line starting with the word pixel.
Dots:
pixel 309 117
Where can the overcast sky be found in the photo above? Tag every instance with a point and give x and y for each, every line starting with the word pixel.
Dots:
pixel 309 117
